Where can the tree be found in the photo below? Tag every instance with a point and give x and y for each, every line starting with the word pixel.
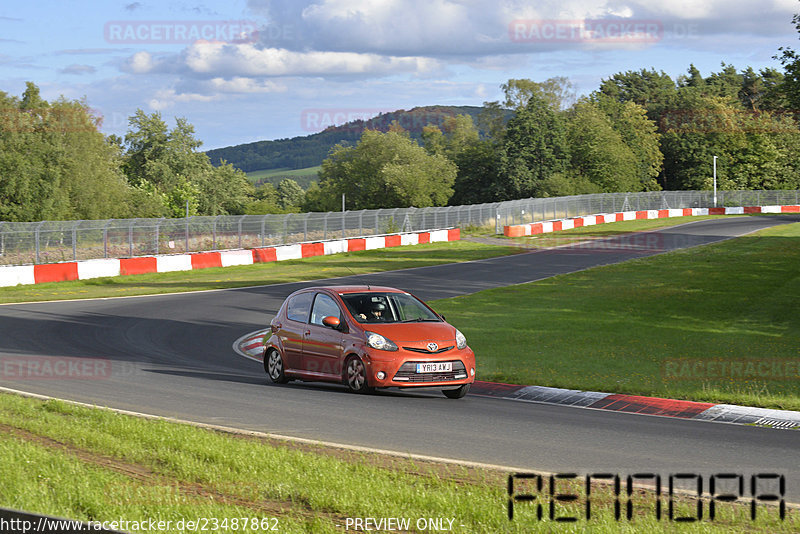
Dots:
pixel 640 135
pixel 534 148
pixel 755 151
pixel 598 152
pixel 290 194
pixel 654 91
pixel 264 200
pixel 558 92
pixel 491 121
pixel 165 164
pixel 477 159
pixel 55 164
pixel 384 170
pixel 727 83
pixel 692 79
pixel 790 59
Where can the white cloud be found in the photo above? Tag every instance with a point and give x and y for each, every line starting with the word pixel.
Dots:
pixel 249 60
pixel 166 98
pixel 140 63
pixel 239 84
pixel 446 28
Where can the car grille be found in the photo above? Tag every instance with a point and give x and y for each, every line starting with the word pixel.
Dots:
pixel 426 351
pixel 408 373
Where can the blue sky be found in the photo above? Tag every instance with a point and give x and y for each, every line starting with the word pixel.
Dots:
pixel 243 71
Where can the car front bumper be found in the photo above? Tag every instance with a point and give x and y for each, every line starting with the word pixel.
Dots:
pixel 398 368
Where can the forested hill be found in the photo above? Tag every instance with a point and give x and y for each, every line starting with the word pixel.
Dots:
pixel 310 150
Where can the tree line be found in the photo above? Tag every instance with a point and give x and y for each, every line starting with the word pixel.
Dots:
pixel 311 150
pixel 638 131
pixel 55 164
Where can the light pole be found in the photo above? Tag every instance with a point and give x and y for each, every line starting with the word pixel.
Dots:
pixel 715 181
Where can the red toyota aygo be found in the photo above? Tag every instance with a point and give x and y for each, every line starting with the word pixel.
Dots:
pixel 367 337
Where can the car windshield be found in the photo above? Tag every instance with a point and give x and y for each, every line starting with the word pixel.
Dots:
pixel 387 308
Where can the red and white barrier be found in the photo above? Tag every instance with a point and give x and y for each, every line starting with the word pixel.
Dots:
pixel 12 275
pixel 521 230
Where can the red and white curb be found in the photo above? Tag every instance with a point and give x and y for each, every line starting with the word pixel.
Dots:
pixel 703 411
pixel 555 225
pixel 251 346
pixel 12 275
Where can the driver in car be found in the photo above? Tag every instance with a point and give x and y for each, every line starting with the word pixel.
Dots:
pixel 375 313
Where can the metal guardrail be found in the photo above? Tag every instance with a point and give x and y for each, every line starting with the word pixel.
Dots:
pixel 54 241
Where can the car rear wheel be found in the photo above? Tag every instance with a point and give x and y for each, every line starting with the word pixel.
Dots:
pixel 355 375
pixel 273 365
pixel 456 393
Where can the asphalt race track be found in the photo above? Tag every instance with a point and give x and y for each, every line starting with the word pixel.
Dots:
pixel 172 355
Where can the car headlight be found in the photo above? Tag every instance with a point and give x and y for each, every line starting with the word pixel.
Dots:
pixel 461 341
pixel 377 341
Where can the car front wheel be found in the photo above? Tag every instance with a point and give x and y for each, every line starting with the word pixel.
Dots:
pixel 456 393
pixel 355 375
pixel 273 365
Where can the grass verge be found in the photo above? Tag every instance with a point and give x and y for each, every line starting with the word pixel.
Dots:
pixel 565 237
pixel 661 326
pixel 345 264
pixel 96 465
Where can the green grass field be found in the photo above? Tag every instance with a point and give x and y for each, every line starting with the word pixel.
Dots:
pixel 97 465
pixel 642 327
pixel 609 329
pixel 260 274
pixel 565 237
pixel 636 326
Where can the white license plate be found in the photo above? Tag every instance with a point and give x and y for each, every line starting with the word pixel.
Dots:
pixel 435 367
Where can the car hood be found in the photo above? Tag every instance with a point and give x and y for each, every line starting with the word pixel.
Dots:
pixel 407 332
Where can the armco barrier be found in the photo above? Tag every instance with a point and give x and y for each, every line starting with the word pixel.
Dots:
pixel 522 230
pixel 82 270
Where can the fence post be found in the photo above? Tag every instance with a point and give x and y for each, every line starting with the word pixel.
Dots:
pixel 74 241
pixel 158 227
pixel 241 219
pixel 36 240
pixel 286 227
pixel 305 228
pixel 325 225
pixel 130 238
pixel 214 233
pixel 263 230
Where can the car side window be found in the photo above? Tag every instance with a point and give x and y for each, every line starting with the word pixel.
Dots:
pixel 297 307
pixel 324 306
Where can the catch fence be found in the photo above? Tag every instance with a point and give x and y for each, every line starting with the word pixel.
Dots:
pixel 54 241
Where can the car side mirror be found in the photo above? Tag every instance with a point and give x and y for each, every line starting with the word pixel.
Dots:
pixel 332 321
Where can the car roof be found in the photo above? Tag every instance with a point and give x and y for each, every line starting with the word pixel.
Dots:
pixel 357 289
